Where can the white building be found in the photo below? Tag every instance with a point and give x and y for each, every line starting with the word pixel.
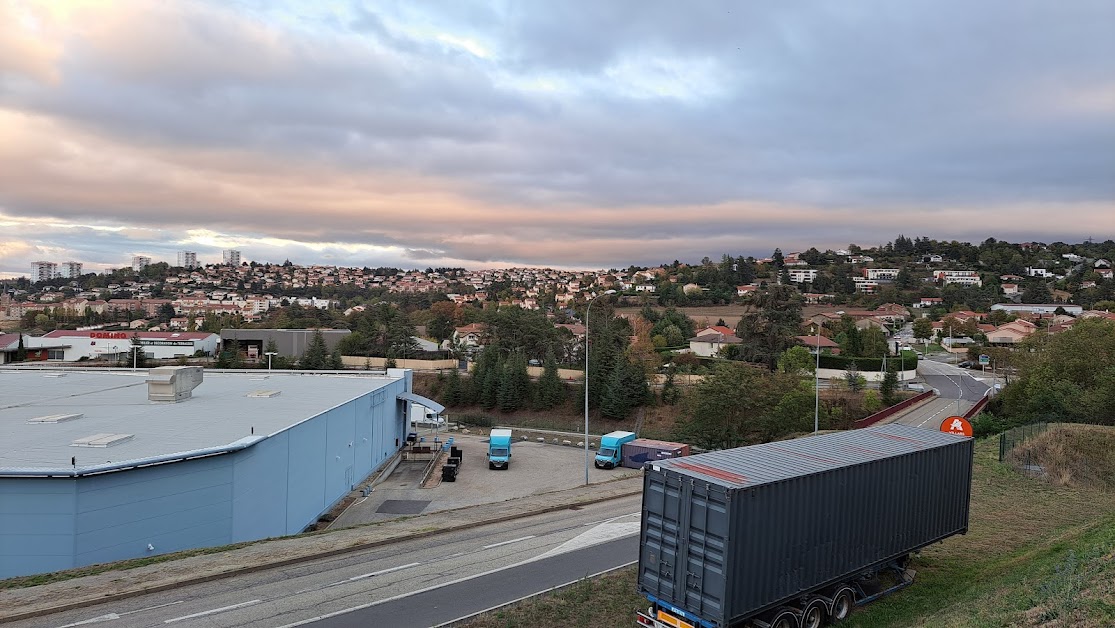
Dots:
pixel 876 274
pixel 43 271
pixel 187 259
pixel 802 275
pixel 1038 308
pixel 139 262
pixel 231 257
pixel 71 270
pixel 93 344
pixel 961 277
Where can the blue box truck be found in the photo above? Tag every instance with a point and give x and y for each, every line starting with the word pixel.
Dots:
pixel 499 449
pixel 611 446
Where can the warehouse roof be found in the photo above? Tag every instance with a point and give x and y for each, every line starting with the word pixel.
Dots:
pixel 770 462
pixel 47 417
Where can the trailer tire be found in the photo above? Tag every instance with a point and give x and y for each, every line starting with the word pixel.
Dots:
pixel 842 603
pixel 815 614
pixel 785 618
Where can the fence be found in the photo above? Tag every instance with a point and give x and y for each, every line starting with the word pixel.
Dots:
pixel 1014 437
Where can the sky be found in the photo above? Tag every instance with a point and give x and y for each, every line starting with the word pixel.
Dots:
pixel 578 134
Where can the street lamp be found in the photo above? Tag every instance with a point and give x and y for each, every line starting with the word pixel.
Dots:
pixel 588 304
pixel 269 354
pixel 817 383
pixel 135 356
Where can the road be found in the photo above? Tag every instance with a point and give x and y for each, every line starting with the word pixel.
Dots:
pixel 957 392
pixel 446 576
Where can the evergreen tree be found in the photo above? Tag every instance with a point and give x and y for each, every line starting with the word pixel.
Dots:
pixel 514 385
pixel 551 392
pixel 316 356
pixel 888 387
pixel 21 350
pixel 614 402
pixel 452 395
pixel 335 361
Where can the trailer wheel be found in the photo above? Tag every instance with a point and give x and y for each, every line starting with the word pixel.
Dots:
pixel 785 618
pixel 842 602
pixel 815 614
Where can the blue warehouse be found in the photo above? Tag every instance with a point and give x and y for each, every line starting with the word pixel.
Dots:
pixel 104 466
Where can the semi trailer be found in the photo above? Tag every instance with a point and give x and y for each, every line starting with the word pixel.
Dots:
pixel 795 534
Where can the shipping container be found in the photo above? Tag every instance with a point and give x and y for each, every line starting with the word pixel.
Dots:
pixel 759 531
pixel 643 450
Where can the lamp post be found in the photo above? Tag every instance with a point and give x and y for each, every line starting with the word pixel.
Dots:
pixel 588 304
pixel 269 354
pixel 135 356
pixel 817 383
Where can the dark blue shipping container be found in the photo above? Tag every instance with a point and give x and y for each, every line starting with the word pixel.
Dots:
pixel 731 534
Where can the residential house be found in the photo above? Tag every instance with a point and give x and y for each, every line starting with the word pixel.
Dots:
pixel 1011 333
pixel 816 342
pixel 709 341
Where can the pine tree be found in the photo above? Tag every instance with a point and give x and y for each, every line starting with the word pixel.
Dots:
pixel 335 361
pixel 452 394
pixel 316 356
pixel 551 392
pixel 615 399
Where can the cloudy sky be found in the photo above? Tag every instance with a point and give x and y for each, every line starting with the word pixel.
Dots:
pixel 578 134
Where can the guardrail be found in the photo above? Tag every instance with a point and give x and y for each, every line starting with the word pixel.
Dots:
pixel 896 408
pixel 977 408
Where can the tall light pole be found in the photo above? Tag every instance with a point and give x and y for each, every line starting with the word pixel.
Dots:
pixel 269 354
pixel 817 383
pixel 135 356
pixel 588 304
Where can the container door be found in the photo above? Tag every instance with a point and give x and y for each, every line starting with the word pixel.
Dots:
pixel 705 554
pixel 664 508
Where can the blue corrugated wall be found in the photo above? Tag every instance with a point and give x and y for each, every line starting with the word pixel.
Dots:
pixel 275 487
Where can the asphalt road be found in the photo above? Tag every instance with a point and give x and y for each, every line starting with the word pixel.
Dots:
pixel 461 599
pixel 957 392
pixel 450 575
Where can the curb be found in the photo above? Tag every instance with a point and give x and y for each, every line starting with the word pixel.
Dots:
pixel 123 595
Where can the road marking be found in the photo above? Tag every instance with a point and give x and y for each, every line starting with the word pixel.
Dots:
pixel 382 571
pixel 214 611
pixel 599 534
pixel 95 620
pixel 150 608
pixel 508 542
pixel 596 523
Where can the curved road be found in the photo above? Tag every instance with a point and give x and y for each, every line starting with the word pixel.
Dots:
pixel 957 391
pixel 420 582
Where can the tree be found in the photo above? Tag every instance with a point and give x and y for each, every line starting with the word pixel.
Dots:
pixel 166 312
pixel 514 385
pixel 736 405
pixel 452 395
pixel 21 350
pixel 796 361
pixel 336 362
pixel 316 356
pixel 770 330
pixel 551 392
pixel 923 329
pixel 888 387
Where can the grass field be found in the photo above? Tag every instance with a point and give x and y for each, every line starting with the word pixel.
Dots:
pixel 1036 554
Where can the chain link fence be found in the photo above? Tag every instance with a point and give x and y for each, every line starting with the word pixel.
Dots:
pixel 1015 436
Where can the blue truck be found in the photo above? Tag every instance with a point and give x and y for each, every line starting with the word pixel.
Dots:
pixel 499 449
pixel 611 449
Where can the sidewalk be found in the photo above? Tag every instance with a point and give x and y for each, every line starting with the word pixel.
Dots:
pixel 115 585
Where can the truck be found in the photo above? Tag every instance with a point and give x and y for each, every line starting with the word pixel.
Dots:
pixel 499 449
pixel 640 451
pixel 797 533
pixel 421 416
pixel 610 455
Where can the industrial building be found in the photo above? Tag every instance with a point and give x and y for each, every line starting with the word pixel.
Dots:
pixel 105 466
pixel 112 345
pixel 290 343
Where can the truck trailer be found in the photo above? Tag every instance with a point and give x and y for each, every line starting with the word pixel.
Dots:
pixel 499 449
pixel 795 534
pixel 643 450
pixel 609 455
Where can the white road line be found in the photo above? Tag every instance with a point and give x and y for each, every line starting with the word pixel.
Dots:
pixel 508 542
pixel 382 571
pixel 213 611
pixel 594 523
pixel 150 608
pixel 95 620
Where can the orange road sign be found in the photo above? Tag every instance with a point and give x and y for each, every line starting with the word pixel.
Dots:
pixel 956 425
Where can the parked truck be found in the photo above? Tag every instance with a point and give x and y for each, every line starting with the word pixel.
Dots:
pixel 795 534
pixel 499 449
pixel 610 453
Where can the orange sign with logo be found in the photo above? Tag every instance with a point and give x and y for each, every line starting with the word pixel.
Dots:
pixel 956 425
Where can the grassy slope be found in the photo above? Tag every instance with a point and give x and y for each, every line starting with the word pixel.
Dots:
pixel 1035 555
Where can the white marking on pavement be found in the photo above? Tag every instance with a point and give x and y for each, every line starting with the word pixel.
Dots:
pixel 150 608
pixel 95 620
pixel 630 514
pixel 508 542
pixel 213 611
pixel 382 571
pixel 600 534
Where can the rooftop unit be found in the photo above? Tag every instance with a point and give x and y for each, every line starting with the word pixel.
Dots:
pixel 172 384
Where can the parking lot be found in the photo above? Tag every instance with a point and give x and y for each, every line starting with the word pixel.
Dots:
pixel 535 468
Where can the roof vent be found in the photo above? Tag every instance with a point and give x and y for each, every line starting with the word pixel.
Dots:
pixel 56 418
pixel 173 383
pixel 267 394
pixel 102 440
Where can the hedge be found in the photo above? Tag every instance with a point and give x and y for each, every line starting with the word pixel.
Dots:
pixel 840 363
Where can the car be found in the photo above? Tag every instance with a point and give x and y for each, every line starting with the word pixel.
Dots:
pixel 964 365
